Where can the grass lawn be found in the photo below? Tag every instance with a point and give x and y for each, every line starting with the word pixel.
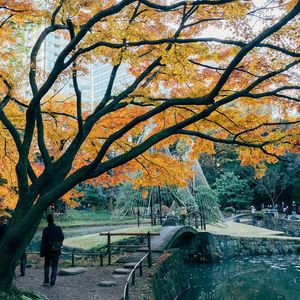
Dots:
pixel 90 241
pixel 239 229
pixel 75 217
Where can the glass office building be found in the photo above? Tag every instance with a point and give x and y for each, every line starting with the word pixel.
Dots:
pixel 92 82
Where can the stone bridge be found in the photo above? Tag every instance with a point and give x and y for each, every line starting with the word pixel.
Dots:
pixel 171 237
pixel 238 216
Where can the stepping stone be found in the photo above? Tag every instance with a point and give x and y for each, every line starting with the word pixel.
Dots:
pixel 107 283
pixel 129 265
pixel 118 276
pixel 71 271
pixel 128 259
pixel 121 271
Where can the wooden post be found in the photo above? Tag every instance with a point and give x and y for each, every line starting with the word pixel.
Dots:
pixel 141 269
pixel 151 210
pixel 138 213
pixel 108 248
pixel 127 292
pixel 204 221
pixel 73 260
pixel 196 220
pixel 101 260
pixel 160 206
pixel 133 278
pixel 201 218
pixel 149 250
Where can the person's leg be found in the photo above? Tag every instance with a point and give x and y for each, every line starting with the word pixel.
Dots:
pixel 54 269
pixel 23 264
pixel 46 269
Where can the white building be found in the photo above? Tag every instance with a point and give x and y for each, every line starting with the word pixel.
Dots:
pixel 92 83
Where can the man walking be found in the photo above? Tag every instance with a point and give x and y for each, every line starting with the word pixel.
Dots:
pixel 51 246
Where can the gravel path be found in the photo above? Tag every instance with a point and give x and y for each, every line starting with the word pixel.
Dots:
pixel 76 287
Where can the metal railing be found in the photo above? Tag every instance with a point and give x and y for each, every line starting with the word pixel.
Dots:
pixel 73 255
pixel 110 245
pixel 132 276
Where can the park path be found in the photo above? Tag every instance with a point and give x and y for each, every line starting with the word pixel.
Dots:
pixel 76 287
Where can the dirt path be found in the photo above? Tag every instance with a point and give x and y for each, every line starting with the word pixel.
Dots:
pixel 76 287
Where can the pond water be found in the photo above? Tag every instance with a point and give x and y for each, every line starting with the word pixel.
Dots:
pixel 255 278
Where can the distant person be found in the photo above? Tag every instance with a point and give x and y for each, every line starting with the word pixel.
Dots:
pixel 286 212
pixel 270 211
pixel 51 246
pixel 253 211
pixel 294 211
pixel 275 209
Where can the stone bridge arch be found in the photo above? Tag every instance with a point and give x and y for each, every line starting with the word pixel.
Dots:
pixel 172 236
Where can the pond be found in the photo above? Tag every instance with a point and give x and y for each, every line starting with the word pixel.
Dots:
pixel 255 278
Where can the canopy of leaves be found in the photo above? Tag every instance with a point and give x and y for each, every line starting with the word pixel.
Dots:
pixel 242 89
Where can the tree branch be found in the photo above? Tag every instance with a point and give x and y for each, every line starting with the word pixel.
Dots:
pixel 75 84
pixel 56 11
pixel 248 47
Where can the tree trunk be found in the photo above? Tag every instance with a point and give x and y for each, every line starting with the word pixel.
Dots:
pixel 12 246
pixel 8 262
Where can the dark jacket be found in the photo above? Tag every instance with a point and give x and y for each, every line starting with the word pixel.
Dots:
pixel 52 233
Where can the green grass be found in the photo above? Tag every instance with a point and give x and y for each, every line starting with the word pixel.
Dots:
pixel 87 242
pixel 75 217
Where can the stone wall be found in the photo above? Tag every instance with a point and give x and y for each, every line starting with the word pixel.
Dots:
pixel 221 247
pixel 169 279
pixel 289 227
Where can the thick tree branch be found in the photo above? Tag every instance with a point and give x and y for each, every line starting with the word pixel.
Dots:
pixel 275 92
pixel 13 9
pixel 41 142
pixel 183 3
pixel 230 142
pixel 5 21
pixel 221 69
pixel 75 84
pixel 56 11
pixel 235 136
pixel 175 41
pixel 34 53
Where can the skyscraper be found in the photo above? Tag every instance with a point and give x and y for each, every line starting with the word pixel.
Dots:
pixel 92 81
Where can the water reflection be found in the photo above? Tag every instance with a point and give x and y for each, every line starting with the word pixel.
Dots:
pixel 258 278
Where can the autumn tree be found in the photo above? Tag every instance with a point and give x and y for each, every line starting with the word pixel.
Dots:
pixel 242 89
